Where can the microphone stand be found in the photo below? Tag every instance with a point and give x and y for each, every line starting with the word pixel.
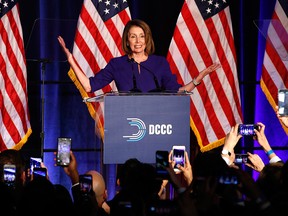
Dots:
pixel 43 63
pixel 135 89
pixel 43 68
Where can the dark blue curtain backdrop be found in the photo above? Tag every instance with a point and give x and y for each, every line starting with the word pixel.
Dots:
pixel 263 111
pixel 56 107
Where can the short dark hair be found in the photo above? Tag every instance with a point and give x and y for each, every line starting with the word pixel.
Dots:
pixel 150 48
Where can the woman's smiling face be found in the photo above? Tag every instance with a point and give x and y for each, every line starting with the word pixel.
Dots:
pixel 136 39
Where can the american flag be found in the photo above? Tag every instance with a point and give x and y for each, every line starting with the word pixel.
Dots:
pixel 275 63
pixel 14 117
pixel 203 35
pixel 97 40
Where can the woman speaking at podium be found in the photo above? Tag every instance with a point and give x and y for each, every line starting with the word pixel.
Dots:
pixel 139 70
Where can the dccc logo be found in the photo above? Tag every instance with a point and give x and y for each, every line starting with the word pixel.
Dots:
pixel 157 129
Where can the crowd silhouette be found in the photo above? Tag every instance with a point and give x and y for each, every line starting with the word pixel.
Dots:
pixel 212 185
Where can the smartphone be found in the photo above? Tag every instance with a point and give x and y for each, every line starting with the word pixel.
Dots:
pixel 247 129
pixel 228 179
pixel 86 184
pixel 178 156
pixel 63 151
pixel 9 174
pixel 39 172
pixel 161 163
pixel 283 102
pixel 241 159
pixel 34 162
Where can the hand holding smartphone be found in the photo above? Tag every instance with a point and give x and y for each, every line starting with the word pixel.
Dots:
pixel 247 129
pixel 178 156
pixel 63 151
pixel 34 162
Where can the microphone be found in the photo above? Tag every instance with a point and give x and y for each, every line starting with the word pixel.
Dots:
pixel 157 89
pixel 134 89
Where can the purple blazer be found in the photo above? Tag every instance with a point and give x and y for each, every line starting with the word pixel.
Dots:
pixel 125 74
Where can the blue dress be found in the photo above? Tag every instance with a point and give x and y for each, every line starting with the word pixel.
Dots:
pixel 126 75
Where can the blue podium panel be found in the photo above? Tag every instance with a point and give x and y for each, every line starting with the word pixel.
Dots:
pixel 136 126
